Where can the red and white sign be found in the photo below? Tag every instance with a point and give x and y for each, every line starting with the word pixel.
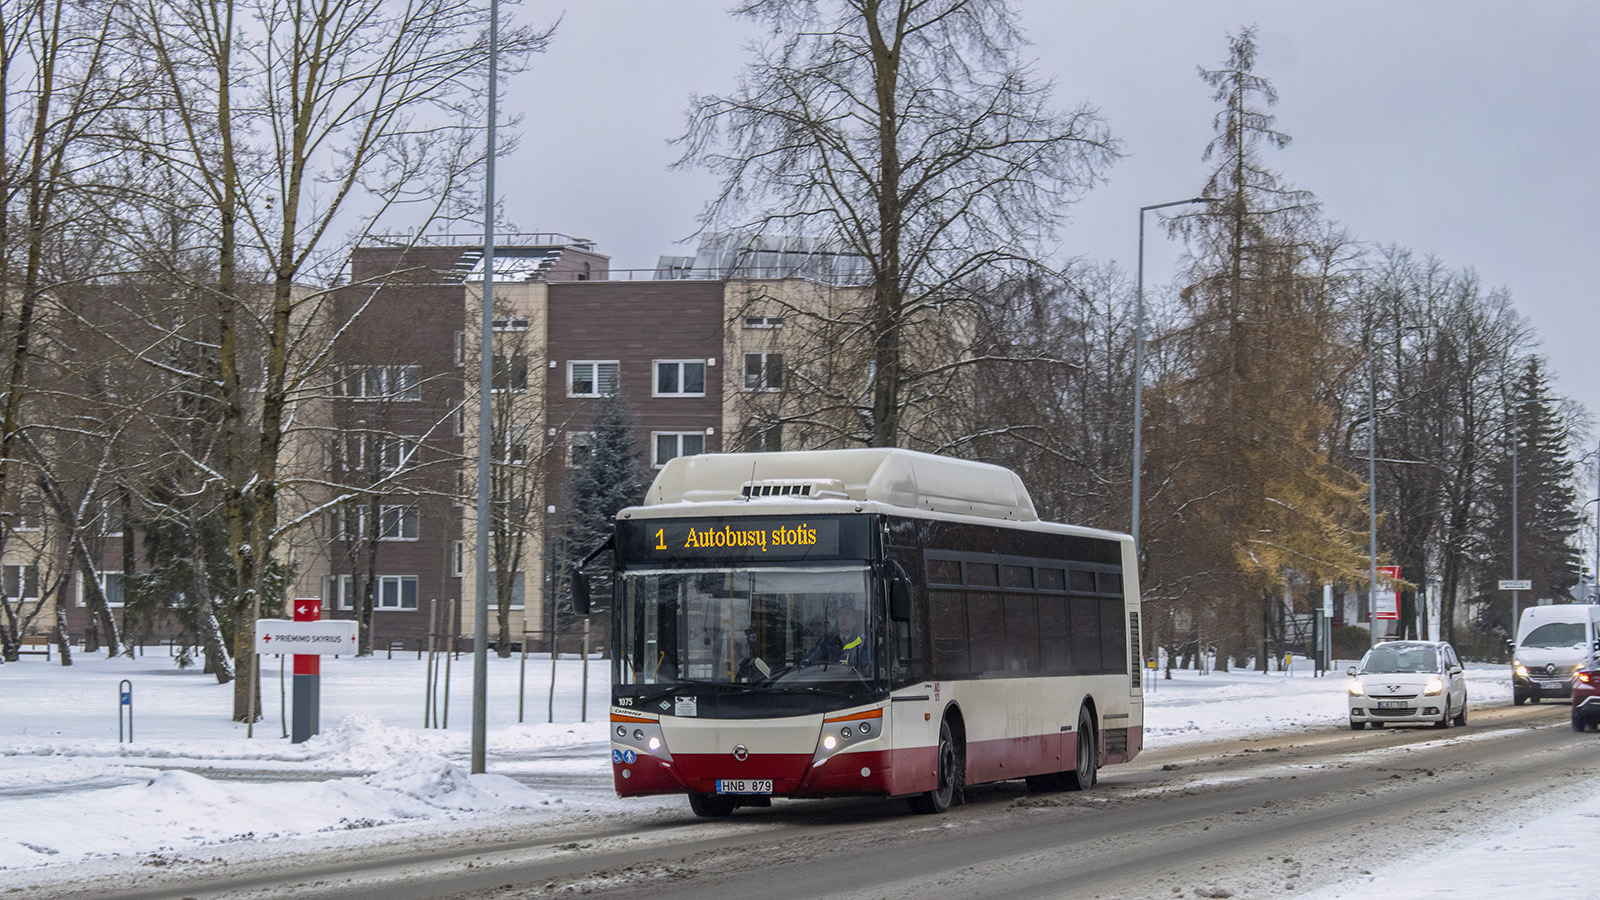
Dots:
pixel 1386 604
pixel 325 637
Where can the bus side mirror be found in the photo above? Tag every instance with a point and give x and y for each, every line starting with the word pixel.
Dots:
pixel 899 594
pixel 580 592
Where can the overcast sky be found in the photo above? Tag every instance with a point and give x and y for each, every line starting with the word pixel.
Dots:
pixel 1465 129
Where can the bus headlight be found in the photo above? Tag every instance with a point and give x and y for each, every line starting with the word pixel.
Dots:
pixel 840 733
pixel 639 734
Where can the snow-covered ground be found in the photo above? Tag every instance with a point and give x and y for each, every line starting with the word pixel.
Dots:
pixel 72 790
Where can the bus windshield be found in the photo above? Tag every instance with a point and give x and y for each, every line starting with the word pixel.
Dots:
pixel 758 628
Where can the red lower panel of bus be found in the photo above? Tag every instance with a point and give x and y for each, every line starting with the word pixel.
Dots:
pixel 893 773
pixel 792 774
pixel 1017 757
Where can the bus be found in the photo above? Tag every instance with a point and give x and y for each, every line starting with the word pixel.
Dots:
pixel 866 622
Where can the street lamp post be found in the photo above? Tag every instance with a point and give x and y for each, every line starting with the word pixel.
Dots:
pixel 1138 360
pixel 480 609
pixel 1516 438
pixel 1372 493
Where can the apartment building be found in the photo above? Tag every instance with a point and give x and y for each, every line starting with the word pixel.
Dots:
pixel 387 454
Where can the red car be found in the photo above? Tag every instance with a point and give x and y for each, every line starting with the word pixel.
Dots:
pixel 1586 699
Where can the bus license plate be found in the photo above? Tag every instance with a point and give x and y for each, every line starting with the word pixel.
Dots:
pixel 744 786
pixel 1391 704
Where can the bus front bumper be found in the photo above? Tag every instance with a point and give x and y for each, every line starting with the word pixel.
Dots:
pixel 792 774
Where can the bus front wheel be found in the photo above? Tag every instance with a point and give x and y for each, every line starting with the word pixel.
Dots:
pixel 1083 775
pixel 948 763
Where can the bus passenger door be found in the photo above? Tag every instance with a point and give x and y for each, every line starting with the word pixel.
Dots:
pixel 914 722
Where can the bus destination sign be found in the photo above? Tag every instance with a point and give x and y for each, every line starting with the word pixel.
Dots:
pixel 753 538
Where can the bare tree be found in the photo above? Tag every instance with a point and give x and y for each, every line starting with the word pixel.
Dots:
pixel 909 134
pixel 298 120
pixel 1440 348
pixel 61 97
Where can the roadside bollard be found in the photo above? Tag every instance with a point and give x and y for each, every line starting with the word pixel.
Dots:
pixel 125 702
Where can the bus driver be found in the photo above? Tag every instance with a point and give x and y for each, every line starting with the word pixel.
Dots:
pixel 846 646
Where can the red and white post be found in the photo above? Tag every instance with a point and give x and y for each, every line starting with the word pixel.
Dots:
pixel 307 709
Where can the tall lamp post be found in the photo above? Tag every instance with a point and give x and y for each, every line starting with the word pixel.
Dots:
pixel 1372 493
pixel 1138 360
pixel 480 609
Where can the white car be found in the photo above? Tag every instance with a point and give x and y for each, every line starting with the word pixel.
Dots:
pixel 1408 682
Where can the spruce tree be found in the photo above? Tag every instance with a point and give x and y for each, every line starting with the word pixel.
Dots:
pixel 611 477
pixel 1546 503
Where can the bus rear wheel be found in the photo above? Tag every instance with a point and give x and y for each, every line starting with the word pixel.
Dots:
pixel 712 806
pixel 949 773
pixel 1083 775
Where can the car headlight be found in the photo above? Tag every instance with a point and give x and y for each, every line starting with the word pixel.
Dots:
pixel 1434 686
pixel 1521 669
pixel 1355 687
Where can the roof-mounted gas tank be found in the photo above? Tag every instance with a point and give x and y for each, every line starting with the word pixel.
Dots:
pixel 889 476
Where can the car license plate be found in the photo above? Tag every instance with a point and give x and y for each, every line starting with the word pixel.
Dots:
pixel 744 786
pixel 1392 704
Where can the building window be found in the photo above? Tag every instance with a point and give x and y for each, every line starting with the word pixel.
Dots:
pixel 22 582
pixel 510 371
pixel 511 447
pixel 381 382
pixel 349 522
pixel 518 590
pixel 763 321
pixel 592 378
pixel 397 592
pixel 391 453
pixel 458 557
pixel 670 444
pixel 338 592
pixel 30 512
pixel 580 446
pixel 510 324
pixel 397 523
pixel 110 585
pixel 763 371
pixel 762 437
pixel 396 453
pixel 680 378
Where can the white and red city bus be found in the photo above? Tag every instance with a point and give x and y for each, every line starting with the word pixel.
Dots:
pixel 863 622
